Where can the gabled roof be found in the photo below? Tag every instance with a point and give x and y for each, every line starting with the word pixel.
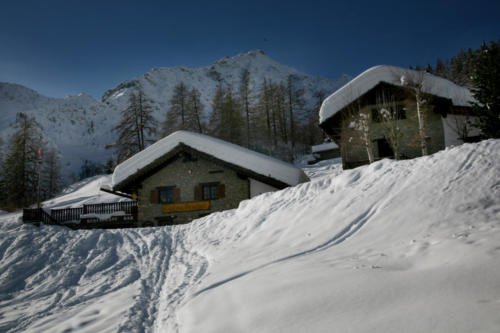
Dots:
pixel 242 158
pixel 364 82
pixel 324 147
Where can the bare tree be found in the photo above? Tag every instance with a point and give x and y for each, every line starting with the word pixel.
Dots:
pixel 176 115
pixel 415 81
pixel 245 102
pixel 390 114
pixel 195 111
pixel 137 122
pixel 362 123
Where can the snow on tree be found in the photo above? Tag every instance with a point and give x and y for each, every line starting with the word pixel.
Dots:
pixel 361 122
pixel 390 114
pixel 414 80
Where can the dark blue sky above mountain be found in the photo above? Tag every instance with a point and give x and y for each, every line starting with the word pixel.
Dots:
pixel 67 47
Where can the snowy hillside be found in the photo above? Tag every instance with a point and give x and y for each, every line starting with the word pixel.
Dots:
pixel 158 83
pixel 79 126
pixel 408 246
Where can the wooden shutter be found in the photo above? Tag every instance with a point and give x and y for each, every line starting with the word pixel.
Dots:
pixel 154 196
pixel 177 194
pixel 198 196
pixel 221 191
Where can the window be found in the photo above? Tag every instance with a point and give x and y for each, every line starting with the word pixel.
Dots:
pixel 166 194
pixel 210 192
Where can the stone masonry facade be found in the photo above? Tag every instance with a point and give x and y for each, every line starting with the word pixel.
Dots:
pixel 185 173
pixel 353 150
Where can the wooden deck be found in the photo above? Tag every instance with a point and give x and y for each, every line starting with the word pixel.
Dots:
pixel 95 216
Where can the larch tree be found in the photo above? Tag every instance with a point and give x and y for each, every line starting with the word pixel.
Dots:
pixel 51 180
pixel 246 103
pixel 194 115
pixel 216 117
pixel 295 105
pixel 177 117
pixel 136 127
pixel 22 164
pixel 264 106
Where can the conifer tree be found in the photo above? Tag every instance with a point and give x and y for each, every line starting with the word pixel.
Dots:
pixel 51 179
pixel 245 103
pixel 194 114
pixel 176 118
pixel 22 163
pixel 487 89
pixel 265 106
pixel 295 104
pixel 216 124
pixel 136 126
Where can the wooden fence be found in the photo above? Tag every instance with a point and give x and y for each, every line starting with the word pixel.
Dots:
pixel 65 215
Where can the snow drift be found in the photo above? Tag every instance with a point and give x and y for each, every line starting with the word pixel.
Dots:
pixel 408 246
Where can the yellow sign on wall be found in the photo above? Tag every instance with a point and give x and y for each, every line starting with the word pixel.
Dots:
pixel 186 206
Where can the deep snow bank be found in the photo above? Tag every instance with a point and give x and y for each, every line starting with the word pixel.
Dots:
pixel 407 246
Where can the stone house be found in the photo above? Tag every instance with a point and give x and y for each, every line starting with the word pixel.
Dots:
pixel 188 175
pixel 380 89
pixel 325 151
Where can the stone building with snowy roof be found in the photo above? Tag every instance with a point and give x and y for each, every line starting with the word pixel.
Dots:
pixel 386 90
pixel 188 175
pixel 325 151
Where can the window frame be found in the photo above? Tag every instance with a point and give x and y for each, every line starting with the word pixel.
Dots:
pixel 213 192
pixel 166 189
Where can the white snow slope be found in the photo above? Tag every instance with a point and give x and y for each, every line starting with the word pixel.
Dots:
pixel 408 246
pixel 79 127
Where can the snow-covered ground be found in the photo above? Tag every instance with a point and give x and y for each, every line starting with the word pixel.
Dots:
pixel 408 246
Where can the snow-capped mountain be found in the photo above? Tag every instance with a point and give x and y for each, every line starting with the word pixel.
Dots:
pixel 79 126
pixel 158 83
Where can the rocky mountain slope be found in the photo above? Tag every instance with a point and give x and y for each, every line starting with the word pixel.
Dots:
pixel 79 126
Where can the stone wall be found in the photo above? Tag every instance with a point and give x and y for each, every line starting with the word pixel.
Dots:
pixel 186 174
pixel 353 149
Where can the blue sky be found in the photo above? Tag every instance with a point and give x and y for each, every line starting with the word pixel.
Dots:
pixel 66 47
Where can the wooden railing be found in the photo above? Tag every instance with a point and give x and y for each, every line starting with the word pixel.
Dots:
pixel 62 216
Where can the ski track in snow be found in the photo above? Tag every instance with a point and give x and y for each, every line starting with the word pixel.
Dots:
pixel 55 279
pixel 97 264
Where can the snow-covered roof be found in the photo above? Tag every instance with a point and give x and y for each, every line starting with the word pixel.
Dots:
pixel 324 146
pixel 236 155
pixel 367 80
